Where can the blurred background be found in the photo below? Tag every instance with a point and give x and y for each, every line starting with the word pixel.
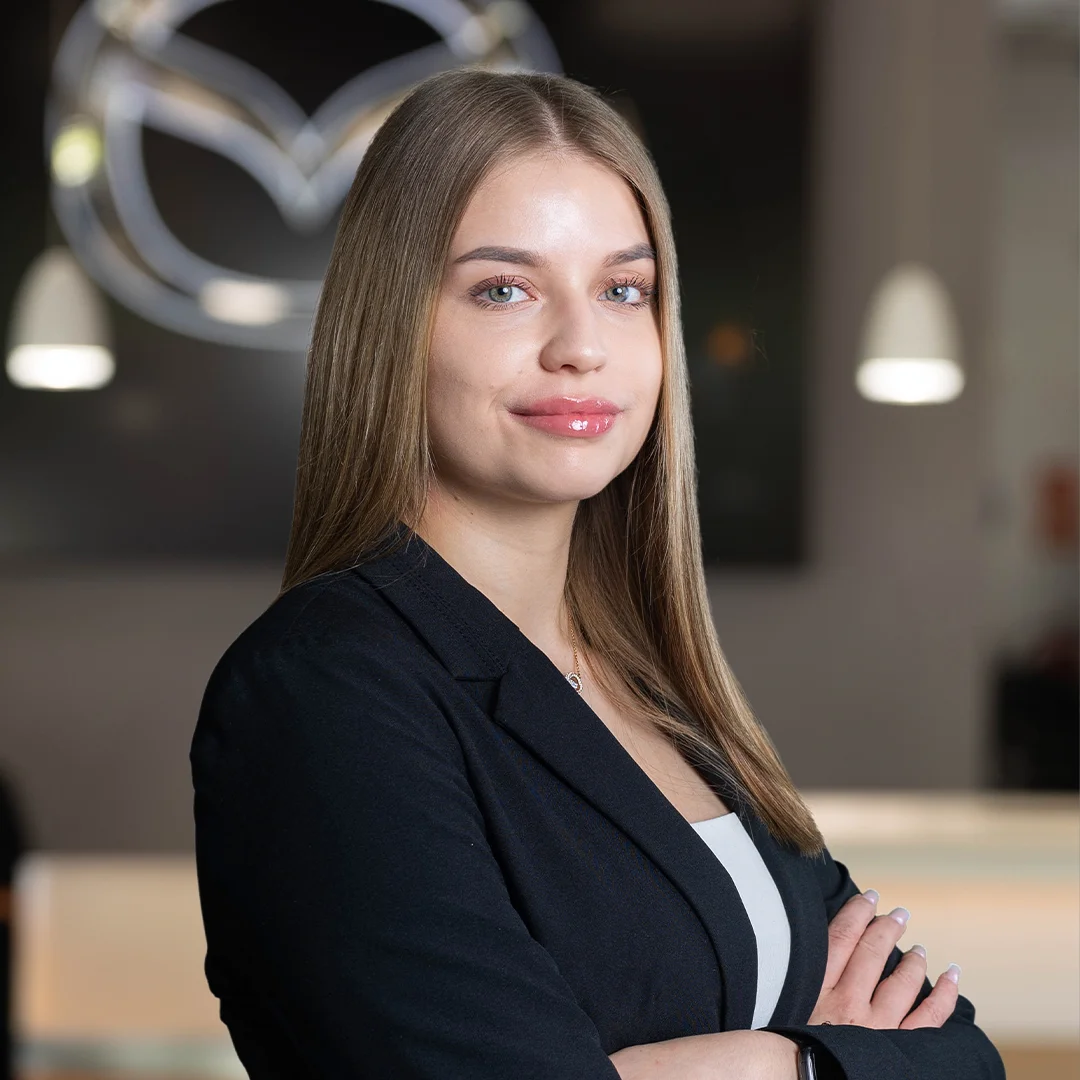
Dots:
pixel 876 209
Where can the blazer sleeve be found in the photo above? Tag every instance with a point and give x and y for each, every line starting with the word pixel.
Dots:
pixel 344 871
pixel 958 1050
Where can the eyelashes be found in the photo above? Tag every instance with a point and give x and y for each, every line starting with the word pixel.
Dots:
pixel 645 288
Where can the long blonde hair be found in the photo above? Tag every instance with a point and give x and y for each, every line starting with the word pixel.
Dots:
pixel 635 582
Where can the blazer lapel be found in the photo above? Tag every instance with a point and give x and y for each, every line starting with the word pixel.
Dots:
pixel 543 712
pixel 534 702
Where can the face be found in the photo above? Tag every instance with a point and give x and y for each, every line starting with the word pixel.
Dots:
pixel 545 364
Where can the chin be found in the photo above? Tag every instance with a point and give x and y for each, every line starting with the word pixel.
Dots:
pixel 569 477
pixel 567 487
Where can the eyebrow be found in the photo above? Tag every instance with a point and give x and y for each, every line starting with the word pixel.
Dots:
pixel 523 257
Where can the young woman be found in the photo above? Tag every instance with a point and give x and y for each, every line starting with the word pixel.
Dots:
pixel 478 796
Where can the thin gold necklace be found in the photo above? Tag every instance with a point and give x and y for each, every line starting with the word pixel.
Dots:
pixel 574 677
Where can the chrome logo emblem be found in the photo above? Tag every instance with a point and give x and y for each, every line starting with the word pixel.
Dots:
pixel 123 66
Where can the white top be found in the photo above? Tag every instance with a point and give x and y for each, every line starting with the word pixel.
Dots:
pixel 730 843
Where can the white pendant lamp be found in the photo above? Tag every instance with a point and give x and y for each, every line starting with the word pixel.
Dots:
pixel 910 347
pixel 59 338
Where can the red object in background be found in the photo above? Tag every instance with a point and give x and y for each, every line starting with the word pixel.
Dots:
pixel 1057 507
pixel 1057 653
pixel 12 847
pixel 1057 529
pixel 730 344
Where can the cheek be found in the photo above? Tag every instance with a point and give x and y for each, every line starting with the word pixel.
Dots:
pixel 452 365
pixel 650 375
pixel 656 377
pixel 472 362
pixel 448 400
pixel 459 392
pixel 649 378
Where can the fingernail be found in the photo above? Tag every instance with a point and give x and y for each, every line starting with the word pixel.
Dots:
pixel 900 914
pixel 872 896
pixel 952 973
pixel 919 950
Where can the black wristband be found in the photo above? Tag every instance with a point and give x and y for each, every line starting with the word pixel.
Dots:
pixel 807 1063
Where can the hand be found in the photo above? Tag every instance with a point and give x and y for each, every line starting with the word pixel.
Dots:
pixel 859 945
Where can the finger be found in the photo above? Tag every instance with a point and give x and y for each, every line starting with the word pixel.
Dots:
pixel 846 928
pixel 868 958
pixel 938 1005
pixel 896 994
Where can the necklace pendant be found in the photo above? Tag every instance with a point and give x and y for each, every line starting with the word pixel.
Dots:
pixel 574 679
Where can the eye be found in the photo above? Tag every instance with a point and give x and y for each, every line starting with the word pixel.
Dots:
pixel 630 292
pixel 498 292
pixel 622 294
pixel 502 294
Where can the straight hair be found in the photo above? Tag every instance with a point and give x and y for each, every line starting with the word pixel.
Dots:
pixel 635 585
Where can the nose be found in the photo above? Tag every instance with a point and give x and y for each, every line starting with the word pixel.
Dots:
pixel 575 338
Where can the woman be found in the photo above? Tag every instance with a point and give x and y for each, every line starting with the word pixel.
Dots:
pixel 478 796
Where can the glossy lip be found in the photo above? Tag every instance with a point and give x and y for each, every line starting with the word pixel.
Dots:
pixel 577 425
pixel 580 418
pixel 563 406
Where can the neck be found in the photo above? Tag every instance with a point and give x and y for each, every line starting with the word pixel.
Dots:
pixel 516 556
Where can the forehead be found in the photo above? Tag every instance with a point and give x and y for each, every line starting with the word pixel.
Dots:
pixel 551 201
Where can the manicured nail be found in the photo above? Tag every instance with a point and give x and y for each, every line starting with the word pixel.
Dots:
pixel 919 950
pixel 952 973
pixel 872 896
pixel 900 914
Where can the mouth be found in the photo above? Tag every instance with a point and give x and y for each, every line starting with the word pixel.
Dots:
pixel 575 417
pixel 564 406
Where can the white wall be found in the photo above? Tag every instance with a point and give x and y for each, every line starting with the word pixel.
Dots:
pixel 101 674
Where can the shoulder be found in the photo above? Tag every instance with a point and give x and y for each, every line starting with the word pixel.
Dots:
pixel 332 638
pixel 331 663
pixel 338 614
pixel 332 606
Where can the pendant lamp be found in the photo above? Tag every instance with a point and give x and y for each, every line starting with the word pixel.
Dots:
pixel 910 348
pixel 59 337
pixel 910 345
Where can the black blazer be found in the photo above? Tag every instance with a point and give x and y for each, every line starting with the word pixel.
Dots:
pixel 421 855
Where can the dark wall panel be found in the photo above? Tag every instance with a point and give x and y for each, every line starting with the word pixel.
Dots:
pixel 190 451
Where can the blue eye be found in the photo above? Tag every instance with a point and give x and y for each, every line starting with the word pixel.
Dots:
pixel 623 293
pixel 502 294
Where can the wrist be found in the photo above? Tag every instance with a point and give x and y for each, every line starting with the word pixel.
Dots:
pixel 748 1054
pixel 763 1055
pixel 786 1052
